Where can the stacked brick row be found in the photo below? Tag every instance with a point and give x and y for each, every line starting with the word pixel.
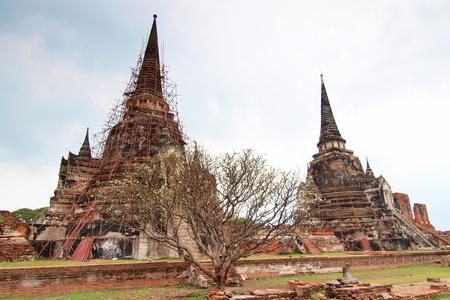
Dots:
pixel 14 251
pixel 47 280
pixel 305 290
pixel 361 291
pixel 296 290
pixel 13 243
pixel 422 290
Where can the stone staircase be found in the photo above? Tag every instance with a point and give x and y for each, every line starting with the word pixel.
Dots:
pixel 308 245
pixel 187 240
pixel 441 238
pixel 436 235
pixel 425 239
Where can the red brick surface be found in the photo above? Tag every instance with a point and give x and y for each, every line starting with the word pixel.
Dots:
pixel 359 292
pixel 420 290
pixel 46 280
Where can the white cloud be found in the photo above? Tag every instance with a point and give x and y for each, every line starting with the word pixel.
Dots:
pixel 214 107
pixel 23 188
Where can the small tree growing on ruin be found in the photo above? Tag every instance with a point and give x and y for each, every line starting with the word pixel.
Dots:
pixel 233 205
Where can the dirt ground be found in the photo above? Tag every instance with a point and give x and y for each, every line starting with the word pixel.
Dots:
pixel 183 292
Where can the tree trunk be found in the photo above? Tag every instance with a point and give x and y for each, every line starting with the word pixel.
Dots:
pixel 220 282
pixel 221 275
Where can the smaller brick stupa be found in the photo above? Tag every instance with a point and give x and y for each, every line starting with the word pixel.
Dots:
pixel 356 206
pixel 340 178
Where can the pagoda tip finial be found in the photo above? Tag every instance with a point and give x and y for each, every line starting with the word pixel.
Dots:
pixel 155 16
pixel 367 162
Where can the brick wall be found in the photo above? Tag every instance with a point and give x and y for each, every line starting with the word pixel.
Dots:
pixel 42 280
pixel 421 213
pixel 402 203
pixel 360 292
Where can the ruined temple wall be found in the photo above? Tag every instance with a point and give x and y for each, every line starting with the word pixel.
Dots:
pixel 74 175
pixel 337 168
pixel 386 196
pixel 14 245
pixel 421 214
pixel 45 280
pixel 402 204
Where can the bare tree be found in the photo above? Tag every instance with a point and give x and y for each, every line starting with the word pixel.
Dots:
pixel 232 205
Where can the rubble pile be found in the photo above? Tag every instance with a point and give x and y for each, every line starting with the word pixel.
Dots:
pixel 14 245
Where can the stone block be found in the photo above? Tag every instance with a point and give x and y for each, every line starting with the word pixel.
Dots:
pixel 201 282
pixel 386 296
pixel 245 297
pixel 218 297
pixel 445 261
pixel 276 292
pixel 439 287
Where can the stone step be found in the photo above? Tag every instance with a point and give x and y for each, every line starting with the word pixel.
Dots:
pixel 189 242
pixel 414 229
pixel 310 247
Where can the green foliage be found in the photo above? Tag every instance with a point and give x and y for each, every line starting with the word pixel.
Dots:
pixel 43 262
pixel 27 215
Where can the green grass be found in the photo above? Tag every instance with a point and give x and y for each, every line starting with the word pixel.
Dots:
pixel 42 262
pixel 395 276
pixel 404 275
pixel 187 291
pixel 105 294
pixel 60 262
pixel 446 296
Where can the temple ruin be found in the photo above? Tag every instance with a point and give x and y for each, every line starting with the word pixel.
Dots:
pixel 14 245
pixel 358 210
pixel 357 207
pixel 142 125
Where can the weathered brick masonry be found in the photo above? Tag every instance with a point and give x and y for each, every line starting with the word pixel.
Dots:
pixel 43 280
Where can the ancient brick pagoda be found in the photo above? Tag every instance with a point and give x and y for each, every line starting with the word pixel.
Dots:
pixel 77 219
pixel 356 206
pixel 358 211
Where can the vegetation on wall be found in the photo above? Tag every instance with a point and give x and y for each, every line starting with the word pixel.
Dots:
pixel 27 214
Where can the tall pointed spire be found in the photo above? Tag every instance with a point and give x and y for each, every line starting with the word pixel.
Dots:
pixel 149 78
pixel 85 150
pixel 328 129
pixel 367 165
pixel 147 95
pixel 147 121
pixel 369 173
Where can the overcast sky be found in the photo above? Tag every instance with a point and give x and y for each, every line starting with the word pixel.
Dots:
pixel 248 76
